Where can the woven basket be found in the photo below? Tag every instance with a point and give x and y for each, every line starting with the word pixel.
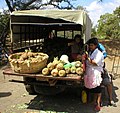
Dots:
pixel 22 66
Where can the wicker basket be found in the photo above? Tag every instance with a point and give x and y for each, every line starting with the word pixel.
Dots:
pixel 22 66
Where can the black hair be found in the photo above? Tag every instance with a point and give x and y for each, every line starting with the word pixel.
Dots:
pixel 93 41
pixel 77 36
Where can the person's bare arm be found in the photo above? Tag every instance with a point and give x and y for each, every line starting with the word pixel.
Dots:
pixel 71 43
pixel 92 61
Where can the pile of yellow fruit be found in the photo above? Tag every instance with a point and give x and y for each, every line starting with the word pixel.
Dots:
pixel 61 69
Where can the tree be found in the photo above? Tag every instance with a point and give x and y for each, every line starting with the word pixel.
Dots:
pixel 94 31
pixel 36 4
pixel 109 24
pixel 4 26
pixel 22 4
pixel 4 19
pixel 81 8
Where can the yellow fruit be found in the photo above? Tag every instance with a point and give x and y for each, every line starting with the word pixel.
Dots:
pixel 50 66
pixel 78 64
pixel 61 73
pixel 79 70
pixel 45 71
pixel 67 70
pixel 54 72
pixel 29 54
pixel 56 61
pixel 73 69
pixel 59 66
pixel 24 56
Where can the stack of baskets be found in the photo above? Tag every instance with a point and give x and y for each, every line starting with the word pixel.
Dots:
pixel 31 64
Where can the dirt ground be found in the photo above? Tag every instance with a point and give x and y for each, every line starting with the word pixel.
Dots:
pixel 15 99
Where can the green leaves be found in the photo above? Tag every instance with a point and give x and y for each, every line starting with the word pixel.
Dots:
pixel 109 25
pixel 37 4
pixel 4 19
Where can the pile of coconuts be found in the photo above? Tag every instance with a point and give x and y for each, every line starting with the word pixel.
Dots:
pixel 27 57
pixel 57 68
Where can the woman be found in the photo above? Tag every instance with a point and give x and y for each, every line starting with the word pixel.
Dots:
pixel 76 48
pixel 94 68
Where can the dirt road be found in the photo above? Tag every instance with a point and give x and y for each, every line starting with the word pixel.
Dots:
pixel 15 99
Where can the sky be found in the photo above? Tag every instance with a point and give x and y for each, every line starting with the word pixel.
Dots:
pixel 94 8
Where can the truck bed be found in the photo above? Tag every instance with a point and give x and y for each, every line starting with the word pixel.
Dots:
pixel 68 77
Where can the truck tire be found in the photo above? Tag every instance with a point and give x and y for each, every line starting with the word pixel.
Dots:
pixel 48 90
pixel 29 88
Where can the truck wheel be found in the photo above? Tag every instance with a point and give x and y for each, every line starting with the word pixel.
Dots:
pixel 29 88
pixel 48 90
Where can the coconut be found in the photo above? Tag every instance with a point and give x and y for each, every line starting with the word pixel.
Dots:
pixel 38 57
pixel 73 69
pixel 54 72
pixel 50 66
pixel 56 61
pixel 45 71
pixel 29 54
pixel 79 70
pixel 78 64
pixel 61 73
pixel 33 60
pixel 21 59
pixel 67 70
pixel 59 66
pixel 35 54
pixel 24 56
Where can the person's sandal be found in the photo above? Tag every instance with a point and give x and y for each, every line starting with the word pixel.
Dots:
pixel 97 108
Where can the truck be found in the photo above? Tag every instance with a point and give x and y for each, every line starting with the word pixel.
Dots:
pixel 47 31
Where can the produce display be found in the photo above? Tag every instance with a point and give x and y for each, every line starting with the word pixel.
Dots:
pixel 28 62
pixel 58 68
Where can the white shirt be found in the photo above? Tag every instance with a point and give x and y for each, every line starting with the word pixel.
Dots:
pixel 98 57
pixel 92 76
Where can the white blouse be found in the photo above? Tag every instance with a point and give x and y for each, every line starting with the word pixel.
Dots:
pixel 92 76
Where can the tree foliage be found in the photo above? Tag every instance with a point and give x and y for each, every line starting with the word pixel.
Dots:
pixel 37 4
pixel 4 19
pixel 109 25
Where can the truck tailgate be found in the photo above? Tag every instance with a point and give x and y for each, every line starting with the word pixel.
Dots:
pixel 69 77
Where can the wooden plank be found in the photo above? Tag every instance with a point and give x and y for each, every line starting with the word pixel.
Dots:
pixel 9 71
pixel 69 77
